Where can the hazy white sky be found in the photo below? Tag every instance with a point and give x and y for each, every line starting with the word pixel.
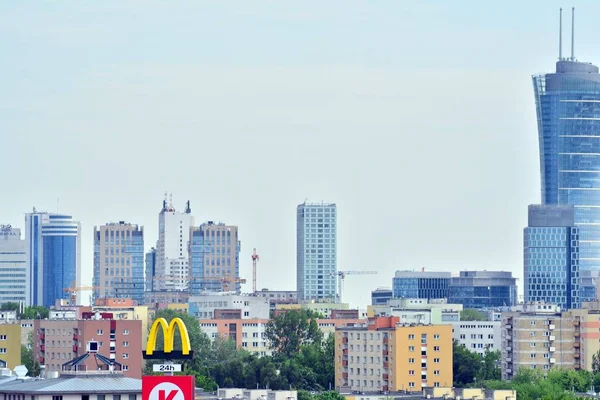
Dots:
pixel 416 118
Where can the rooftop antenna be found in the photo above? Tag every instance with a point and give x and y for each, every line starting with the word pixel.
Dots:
pixel 573 34
pixel 560 36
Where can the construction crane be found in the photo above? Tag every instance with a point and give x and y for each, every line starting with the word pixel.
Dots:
pixel 342 275
pixel 255 259
pixel 229 281
pixel 74 289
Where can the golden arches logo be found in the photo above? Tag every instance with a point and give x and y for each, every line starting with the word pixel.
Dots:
pixel 169 339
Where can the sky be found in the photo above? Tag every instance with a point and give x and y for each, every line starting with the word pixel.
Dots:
pixel 416 118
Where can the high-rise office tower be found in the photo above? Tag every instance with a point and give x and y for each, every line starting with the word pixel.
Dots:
pixel 568 110
pixel 13 283
pixel 172 259
pixel 214 258
pixel 150 269
pixel 119 261
pixel 551 256
pixel 53 252
pixel 316 251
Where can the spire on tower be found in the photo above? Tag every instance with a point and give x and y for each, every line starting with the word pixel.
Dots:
pixel 560 36
pixel 573 34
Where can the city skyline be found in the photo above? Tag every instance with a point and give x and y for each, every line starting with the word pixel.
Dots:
pixel 285 95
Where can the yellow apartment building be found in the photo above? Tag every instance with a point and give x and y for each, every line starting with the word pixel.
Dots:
pixel 10 345
pixel 386 355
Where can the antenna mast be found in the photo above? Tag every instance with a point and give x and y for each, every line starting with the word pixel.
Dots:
pixel 560 36
pixel 573 34
pixel 255 259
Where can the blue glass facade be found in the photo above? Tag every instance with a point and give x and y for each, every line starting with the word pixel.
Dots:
pixel 483 289
pixel 214 258
pixel 421 285
pixel 568 116
pixel 316 251
pixel 60 267
pixel 551 257
pixel 381 296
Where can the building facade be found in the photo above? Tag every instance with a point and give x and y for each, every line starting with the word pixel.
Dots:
pixel 150 269
pixel 13 267
pixel 53 255
pixel 478 336
pixel 316 251
pixel 59 341
pixel 381 296
pixel 567 107
pixel 206 306
pixel 172 261
pixel 384 355
pixel 551 256
pixel 421 285
pixel 483 289
pixel 248 334
pixel 278 296
pixel 10 344
pixel 418 311
pixel 214 258
pixel 119 261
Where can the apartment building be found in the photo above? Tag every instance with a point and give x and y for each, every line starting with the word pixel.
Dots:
pixel 323 308
pixel 418 311
pixel 388 356
pixel 10 345
pixel 478 336
pixel 59 341
pixel 252 307
pixel 539 337
pixel 279 296
pixel 248 334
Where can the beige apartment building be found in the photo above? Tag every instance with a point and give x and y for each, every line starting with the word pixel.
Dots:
pixel 119 261
pixel 385 355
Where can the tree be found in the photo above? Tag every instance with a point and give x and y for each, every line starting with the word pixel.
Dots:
pixel 35 312
pixel 490 369
pixel 469 314
pixel 27 358
pixel 288 331
pixel 465 365
pixel 596 362
pixel 10 306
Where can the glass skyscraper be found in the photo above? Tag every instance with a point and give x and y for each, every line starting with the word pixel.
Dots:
pixel 483 289
pixel 551 256
pixel 421 285
pixel 568 116
pixel 53 246
pixel 316 251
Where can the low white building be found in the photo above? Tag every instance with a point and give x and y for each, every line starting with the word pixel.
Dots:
pixel 478 335
pixel 250 307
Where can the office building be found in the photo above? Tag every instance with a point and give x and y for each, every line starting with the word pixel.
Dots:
pixel 10 345
pixel 208 306
pixel 478 336
pixel 551 256
pixel 150 269
pixel 316 251
pixel 13 267
pixel 172 260
pixel 380 296
pixel 278 296
pixel 59 341
pixel 119 261
pixel 53 255
pixel 421 285
pixel 483 289
pixel 214 258
pixel 567 107
pixel 384 355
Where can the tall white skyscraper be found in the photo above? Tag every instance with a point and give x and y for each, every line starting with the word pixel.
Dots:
pixel 53 252
pixel 316 272
pixel 13 276
pixel 172 257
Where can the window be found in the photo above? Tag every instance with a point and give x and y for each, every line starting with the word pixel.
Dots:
pixel 411 372
pixel 2 350
pixel 98 332
pixel 411 337
pixel 436 360
pixel 411 384
pixel 2 337
pixel 132 397
pixel 125 344
pixel 116 397
pixel 125 367
pixel 532 355
pixel 100 397
pixel 436 348
pixel 125 331
pixel 436 372
pixel 436 337
pixel 411 348
pixel 125 356
pixel 411 360
pixel 56 397
pixel 423 338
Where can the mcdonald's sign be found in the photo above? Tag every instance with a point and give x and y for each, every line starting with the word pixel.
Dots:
pixel 169 337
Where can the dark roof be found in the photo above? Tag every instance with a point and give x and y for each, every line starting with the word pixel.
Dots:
pixel 74 384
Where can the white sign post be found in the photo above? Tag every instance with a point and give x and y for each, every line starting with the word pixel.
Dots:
pixel 166 368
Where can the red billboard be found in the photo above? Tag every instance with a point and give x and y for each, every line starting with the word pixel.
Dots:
pixel 168 387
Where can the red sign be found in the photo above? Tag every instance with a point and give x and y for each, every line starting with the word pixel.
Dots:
pixel 168 387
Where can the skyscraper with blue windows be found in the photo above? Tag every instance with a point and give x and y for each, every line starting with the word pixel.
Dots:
pixel 316 251
pixel 53 256
pixel 568 116
pixel 551 256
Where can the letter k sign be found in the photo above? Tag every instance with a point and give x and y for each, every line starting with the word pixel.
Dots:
pixel 166 391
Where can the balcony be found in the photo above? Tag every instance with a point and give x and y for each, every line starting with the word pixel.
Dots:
pixel 508 348
pixel 552 360
pixel 344 340
pixel 508 326
pixel 508 359
pixel 42 360
pixel 576 333
pixel 386 377
pixel 385 352
pixel 75 349
pixel 43 336
pixel 552 349
pixel 345 363
pixel 75 336
pixel 42 347
pixel 576 355
pixel 386 364
pixel 552 327
pixel 552 338
pixel 576 344
pixel 345 375
pixel 386 340
pixel 345 352
pixel 576 323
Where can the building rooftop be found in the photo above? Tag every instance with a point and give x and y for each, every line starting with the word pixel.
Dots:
pixel 76 384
